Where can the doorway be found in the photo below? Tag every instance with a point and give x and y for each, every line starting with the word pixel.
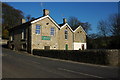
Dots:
pixel 47 47
pixel 83 47
pixel 12 47
pixel 66 47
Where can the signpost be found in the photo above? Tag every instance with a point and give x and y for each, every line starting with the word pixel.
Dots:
pixel 46 37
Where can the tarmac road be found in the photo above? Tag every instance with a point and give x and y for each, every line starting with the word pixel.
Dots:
pixel 23 65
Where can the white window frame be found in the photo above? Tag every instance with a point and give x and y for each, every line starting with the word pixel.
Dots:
pixel 37 29
pixel 23 34
pixel 11 36
pixel 52 31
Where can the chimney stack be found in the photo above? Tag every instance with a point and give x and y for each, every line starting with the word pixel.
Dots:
pixel 23 21
pixel 64 20
pixel 45 12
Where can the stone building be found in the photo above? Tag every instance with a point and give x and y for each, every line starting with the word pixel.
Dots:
pixel 79 39
pixel 45 33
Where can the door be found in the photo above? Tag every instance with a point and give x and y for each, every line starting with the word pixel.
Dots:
pixel 66 47
pixel 82 46
pixel 47 47
pixel 13 47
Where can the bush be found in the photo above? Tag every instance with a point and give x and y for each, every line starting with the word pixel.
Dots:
pixel 5 34
pixel 87 56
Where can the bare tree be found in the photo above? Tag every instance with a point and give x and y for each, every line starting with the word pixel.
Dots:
pixel 103 28
pixel 86 26
pixel 111 26
pixel 114 23
pixel 28 18
pixel 74 23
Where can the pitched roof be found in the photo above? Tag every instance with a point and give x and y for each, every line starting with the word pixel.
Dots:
pixel 26 23
pixel 61 25
pixel 33 21
pixel 67 25
pixel 47 16
pixel 20 26
pixel 73 28
pixel 81 28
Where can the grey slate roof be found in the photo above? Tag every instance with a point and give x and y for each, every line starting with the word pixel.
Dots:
pixel 60 25
pixel 24 24
pixel 73 28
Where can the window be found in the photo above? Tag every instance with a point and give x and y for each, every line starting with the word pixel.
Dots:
pixel 24 34
pixel 11 36
pixel 37 29
pixel 47 23
pixel 66 34
pixel 12 47
pixel 52 31
pixel 24 46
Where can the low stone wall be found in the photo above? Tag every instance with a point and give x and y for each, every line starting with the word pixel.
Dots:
pixel 113 57
pixel 104 57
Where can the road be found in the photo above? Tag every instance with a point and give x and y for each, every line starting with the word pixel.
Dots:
pixel 23 65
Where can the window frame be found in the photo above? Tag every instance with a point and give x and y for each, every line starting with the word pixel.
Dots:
pixel 37 29
pixel 24 46
pixel 52 31
pixel 11 36
pixel 66 34
pixel 23 34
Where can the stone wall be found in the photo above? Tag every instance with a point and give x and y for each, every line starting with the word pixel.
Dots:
pixel 113 57
pixel 37 41
pixel 79 35
pixel 17 41
pixel 63 41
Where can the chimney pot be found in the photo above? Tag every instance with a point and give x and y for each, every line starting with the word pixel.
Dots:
pixel 23 21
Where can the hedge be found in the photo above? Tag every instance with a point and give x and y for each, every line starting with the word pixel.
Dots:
pixel 88 56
